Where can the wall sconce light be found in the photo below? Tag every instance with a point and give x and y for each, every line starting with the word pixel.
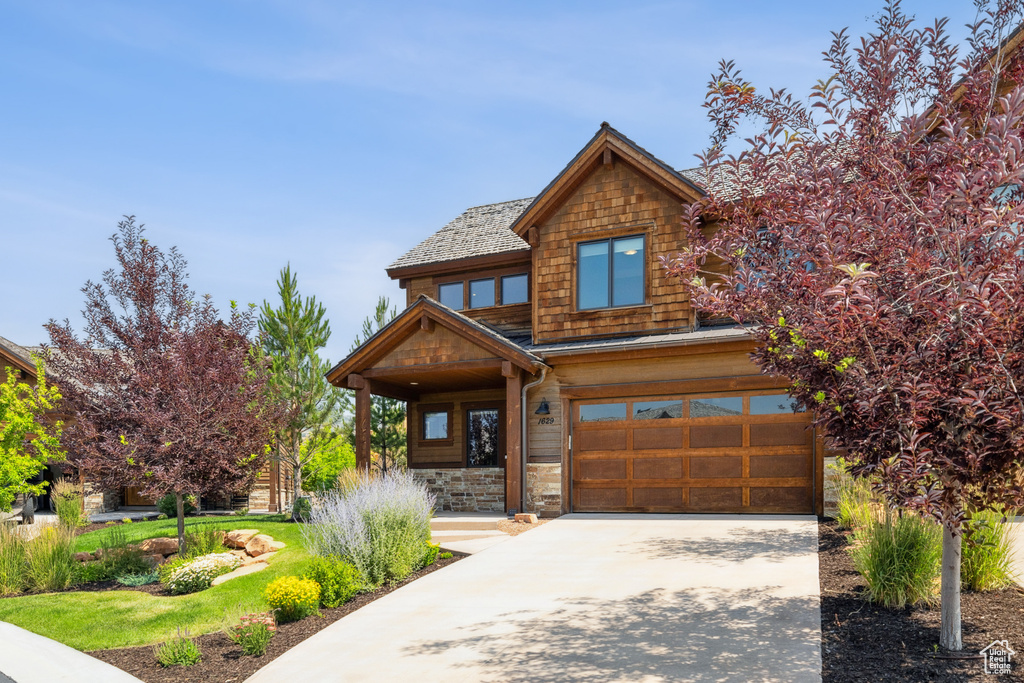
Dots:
pixel 543 408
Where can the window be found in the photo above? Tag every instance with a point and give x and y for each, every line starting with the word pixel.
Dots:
pixel 602 412
pixel 657 410
pixel 610 273
pixel 436 424
pixel 773 404
pixel 451 295
pixel 515 289
pixel 716 407
pixel 481 293
pixel 483 434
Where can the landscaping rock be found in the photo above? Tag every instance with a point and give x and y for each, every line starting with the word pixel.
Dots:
pixel 526 517
pixel 241 571
pixel 83 557
pixel 154 560
pixel 159 546
pixel 277 545
pixel 239 537
pixel 239 553
pixel 246 561
pixel 265 557
pixel 259 545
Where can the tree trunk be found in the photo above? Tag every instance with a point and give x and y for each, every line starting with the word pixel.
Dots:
pixel 950 637
pixel 179 500
pixel 296 484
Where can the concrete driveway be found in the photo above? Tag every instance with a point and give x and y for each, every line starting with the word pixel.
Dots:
pixel 594 598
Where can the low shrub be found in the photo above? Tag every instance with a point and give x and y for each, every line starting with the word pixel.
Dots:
pixel 445 556
pixel 161 516
pixel 203 540
pixel 253 633
pixel 198 573
pixel 50 562
pixel 430 553
pixel 986 553
pixel 120 557
pixel 899 557
pixel 379 524
pixel 91 572
pixel 292 598
pixel 143 579
pixel 168 505
pixel 339 581
pixel 241 512
pixel 181 650
pixel 67 500
pixel 12 561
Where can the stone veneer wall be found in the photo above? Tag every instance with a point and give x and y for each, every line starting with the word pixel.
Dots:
pixel 465 489
pixel 830 493
pixel 544 489
pixel 98 500
pixel 259 497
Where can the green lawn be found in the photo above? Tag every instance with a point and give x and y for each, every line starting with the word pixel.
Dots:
pixel 97 621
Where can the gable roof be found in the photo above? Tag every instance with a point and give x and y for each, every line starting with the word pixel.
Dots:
pixel 606 140
pixel 17 355
pixel 479 231
pixel 408 322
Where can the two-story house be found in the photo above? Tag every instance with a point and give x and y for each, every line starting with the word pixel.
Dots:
pixel 550 365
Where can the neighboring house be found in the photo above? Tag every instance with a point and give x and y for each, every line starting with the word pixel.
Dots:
pixel 272 492
pixel 551 366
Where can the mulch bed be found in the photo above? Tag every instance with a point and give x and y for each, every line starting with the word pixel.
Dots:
pixel 865 642
pixel 224 662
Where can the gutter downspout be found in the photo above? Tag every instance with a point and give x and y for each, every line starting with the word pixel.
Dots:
pixel 524 447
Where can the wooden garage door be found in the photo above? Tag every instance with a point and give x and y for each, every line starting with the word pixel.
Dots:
pixel 725 452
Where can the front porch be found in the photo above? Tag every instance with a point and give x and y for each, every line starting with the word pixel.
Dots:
pixel 463 387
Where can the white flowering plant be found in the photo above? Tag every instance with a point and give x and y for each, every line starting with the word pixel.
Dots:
pixel 199 573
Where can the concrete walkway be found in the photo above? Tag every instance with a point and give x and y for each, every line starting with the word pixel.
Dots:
pixel 639 598
pixel 29 658
pixel 1017 543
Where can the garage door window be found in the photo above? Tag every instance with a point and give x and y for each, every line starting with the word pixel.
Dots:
pixel 602 412
pixel 773 404
pixel 657 410
pixel 716 407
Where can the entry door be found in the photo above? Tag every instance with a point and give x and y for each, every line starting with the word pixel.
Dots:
pixel 485 434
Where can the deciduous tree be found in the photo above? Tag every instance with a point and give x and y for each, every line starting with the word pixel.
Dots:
pixel 166 396
pixel 871 239
pixel 28 438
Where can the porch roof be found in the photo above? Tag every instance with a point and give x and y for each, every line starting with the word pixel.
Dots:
pixel 487 359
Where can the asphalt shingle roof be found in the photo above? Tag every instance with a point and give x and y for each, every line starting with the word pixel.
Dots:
pixel 17 350
pixel 479 231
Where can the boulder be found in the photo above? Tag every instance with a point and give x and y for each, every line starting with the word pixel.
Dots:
pixel 83 557
pixel 154 560
pixel 239 537
pixel 277 545
pixel 241 571
pixel 239 553
pixel 259 544
pixel 159 546
pixel 526 518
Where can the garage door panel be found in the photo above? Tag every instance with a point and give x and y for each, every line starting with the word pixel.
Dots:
pixel 781 498
pixel 602 469
pixel 716 498
pixel 719 467
pixel 770 466
pixel 603 498
pixel 602 440
pixel 716 436
pixel 668 497
pixel 657 468
pixel 779 434
pixel 654 438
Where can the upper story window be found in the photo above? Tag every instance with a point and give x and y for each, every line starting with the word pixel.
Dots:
pixel 451 295
pixel 485 292
pixel 610 272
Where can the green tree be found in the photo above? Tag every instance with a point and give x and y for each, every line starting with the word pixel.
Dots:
pixel 292 334
pixel 27 440
pixel 322 470
pixel 387 415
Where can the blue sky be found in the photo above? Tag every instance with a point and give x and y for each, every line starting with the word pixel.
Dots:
pixel 336 135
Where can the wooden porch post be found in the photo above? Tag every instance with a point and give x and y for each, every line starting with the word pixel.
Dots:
pixel 363 428
pixel 513 436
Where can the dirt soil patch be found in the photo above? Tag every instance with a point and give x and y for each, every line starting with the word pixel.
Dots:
pixel 516 528
pixel 224 662
pixel 865 642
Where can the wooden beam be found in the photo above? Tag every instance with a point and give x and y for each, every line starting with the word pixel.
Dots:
pixel 403 283
pixel 427 324
pixel 607 157
pixel 533 236
pixel 356 381
pixel 508 370
pixel 381 388
pixel 513 439
pixel 363 427
pixel 392 370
